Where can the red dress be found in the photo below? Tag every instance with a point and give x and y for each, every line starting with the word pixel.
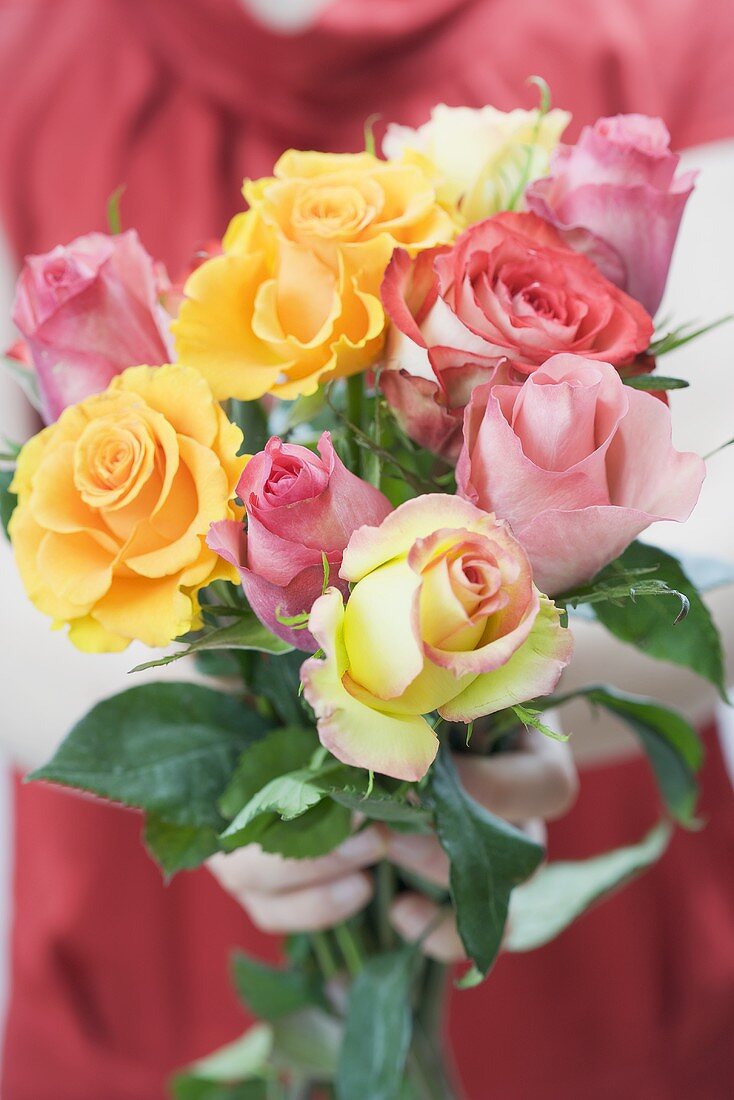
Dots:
pixel 117 979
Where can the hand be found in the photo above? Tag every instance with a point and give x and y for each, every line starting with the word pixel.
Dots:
pixel 302 895
pixel 534 784
pixel 287 895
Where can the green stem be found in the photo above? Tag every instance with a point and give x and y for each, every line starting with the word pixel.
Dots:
pixel 349 948
pixel 324 955
pixel 355 409
pixel 427 1074
pixel 432 997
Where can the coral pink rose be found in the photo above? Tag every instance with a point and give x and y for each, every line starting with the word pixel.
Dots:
pixel 578 463
pixel 493 308
pixel 615 196
pixel 88 311
pixel 299 505
pixel 442 615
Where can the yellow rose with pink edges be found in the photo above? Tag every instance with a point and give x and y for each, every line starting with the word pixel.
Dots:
pixel 442 615
pixel 295 298
pixel 114 503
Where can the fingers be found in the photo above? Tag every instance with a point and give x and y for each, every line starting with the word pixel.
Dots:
pixel 306 895
pixel 422 855
pixel 310 909
pixel 538 780
pixel 250 869
pixel 411 914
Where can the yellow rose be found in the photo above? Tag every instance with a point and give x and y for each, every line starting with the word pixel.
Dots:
pixel 114 503
pixel 295 299
pixel 479 158
pixel 442 615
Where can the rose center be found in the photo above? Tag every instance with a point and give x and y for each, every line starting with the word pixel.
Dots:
pixel 59 272
pixel 293 479
pixel 112 459
pixel 331 211
pixel 462 587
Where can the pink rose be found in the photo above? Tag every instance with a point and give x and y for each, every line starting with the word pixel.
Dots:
pixel 88 311
pixel 615 197
pixel 298 505
pixel 577 462
pixel 493 308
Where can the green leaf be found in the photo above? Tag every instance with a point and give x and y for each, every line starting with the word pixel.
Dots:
pixel 560 892
pixel 8 500
pixel 654 383
pixel 670 743
pixel 617 585
pixel 252 420
pixel 167 748
pixel 488 858
pixel 316 833
pixel 288 796
pixel 304 410
pixel 530 717
pixel 247 633
pixel 378 1029
pixel 196 1088
pixel 264 785
pixel 694 643
pixel 278 681
pixel 385 807
pixel 307 1044
pixel 661 345
pixel 114 221
pixel 281 751
pixel 271 992
pixel 178 847
pixel 239 1062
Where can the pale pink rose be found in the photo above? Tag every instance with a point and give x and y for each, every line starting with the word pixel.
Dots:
pixel 89 310
pixel 508 295
pixel 615 197
pixel 299 505
pixel 578 463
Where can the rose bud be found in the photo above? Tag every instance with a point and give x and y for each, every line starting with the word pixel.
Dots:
pixel 442 615
pixel 578 463
pixel 616 198
pixel 87 311
pixel 300 505
pixel 493 308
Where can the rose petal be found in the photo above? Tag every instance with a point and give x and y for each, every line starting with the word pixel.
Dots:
pixel 402 746
pixel 533 670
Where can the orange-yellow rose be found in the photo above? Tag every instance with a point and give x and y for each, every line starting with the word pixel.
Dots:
pixel 114 503
pixel 295 298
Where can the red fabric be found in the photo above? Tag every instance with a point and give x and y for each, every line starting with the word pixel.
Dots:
pixel 637 998
pixel 119 980
pixel 180 98
pixel 116 979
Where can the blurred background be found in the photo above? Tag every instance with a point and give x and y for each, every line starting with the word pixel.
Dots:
pixel 179 100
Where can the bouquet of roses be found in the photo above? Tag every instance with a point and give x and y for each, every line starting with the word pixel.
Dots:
pixel 364 462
